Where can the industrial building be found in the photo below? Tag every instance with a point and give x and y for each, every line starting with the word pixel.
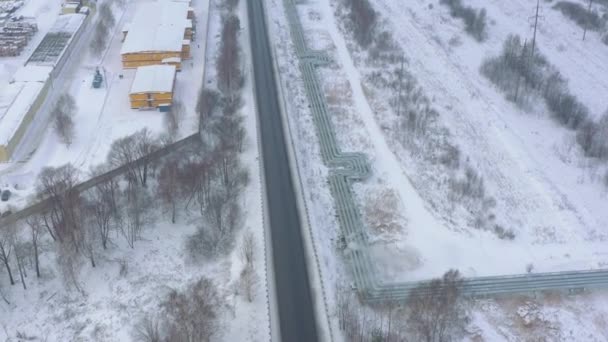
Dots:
pixel 160 33
pixel 153 87
pixel 19 102
pixel 21 99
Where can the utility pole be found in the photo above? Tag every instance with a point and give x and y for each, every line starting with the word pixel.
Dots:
pixel 400 86
pixel 522 61
pixel 535 26
pixel 585 27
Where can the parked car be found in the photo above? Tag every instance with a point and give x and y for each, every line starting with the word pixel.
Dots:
pixel 6 194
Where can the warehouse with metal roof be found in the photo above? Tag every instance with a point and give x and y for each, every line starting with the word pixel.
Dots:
pixel 153 87
pixel 160 33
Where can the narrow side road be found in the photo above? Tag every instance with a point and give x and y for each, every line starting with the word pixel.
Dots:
pixel 295 306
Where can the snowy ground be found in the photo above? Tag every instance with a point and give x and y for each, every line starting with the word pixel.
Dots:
pixel 545 190
pixel 112 303
pixel 103 115
pixel 45 13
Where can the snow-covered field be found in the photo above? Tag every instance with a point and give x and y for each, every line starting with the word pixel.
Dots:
pixel 544 188
pixel 111 302
pixel 537 181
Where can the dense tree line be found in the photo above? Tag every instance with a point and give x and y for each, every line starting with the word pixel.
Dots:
pixel 435 311
pixel 101 33
pixel 520 73
pixel 589 20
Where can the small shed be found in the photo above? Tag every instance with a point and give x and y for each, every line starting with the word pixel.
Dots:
pixel 152 86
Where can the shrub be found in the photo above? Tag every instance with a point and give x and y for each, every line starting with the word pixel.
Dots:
pixel 471 185
pixel 475 21
pixel 192 315
pixel 502 233
pixel 362 19
pixel 436 310
pixel 592 137
pixel 580 15
pixel 566 109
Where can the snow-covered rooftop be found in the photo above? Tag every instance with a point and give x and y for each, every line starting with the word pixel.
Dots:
pixel 68 23
pixel 32 73
pixel 154 79
pixel 16 99
pixel 157 26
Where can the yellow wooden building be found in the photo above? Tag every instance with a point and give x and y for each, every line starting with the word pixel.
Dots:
pixel 160 33
pixel 153 87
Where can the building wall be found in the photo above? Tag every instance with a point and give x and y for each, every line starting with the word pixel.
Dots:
pixel 3 153
pixel 27 119
pixel 131 61
pixel 150 100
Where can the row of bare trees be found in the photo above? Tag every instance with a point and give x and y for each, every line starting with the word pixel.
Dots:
pixel 79 223
pixel 207 180
pixel 105 23
pixel 216 177
pixel 526 75
pixel 434 312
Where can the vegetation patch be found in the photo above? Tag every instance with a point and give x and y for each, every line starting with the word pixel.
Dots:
pixel 475 21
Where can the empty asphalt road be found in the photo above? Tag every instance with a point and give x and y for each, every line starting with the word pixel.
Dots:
pixel 296 312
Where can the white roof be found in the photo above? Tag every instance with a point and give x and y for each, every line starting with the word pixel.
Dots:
pixel 32 73
pixel 68 23
pixel 16 99
pixel 157 26
pixel 154 79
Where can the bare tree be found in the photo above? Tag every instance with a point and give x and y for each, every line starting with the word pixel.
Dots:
pixel 36 227
pixel 436 309
pixel 148 329
pixel 106 14
pixel 137 214
pixel 248 248
pixel 249 278
pixel 229 132
pixel 192 315
pixel 6 248
pixel 230 78
pixel 362 21
pixel 90 242
pixel 249 282
pixel 62 217
pixel 105 22
pixel 208 100
pixel 21 250
pixel 69 264
pixel 144 145
pixel 168 189
pixel 133 151
pixel 173 118
pixel 102 208
pixel 123 152
pixel 62 115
